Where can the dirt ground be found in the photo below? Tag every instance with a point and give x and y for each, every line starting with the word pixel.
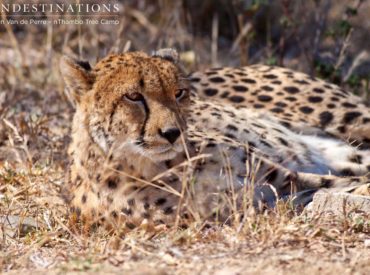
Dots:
pixel 35 120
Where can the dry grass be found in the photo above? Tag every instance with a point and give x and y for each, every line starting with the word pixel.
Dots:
pixel 35 120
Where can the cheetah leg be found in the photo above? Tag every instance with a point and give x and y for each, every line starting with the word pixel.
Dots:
pixel 283 183
pixel 363 190
pixel 356 163
pixel 307 181
pixel 344 159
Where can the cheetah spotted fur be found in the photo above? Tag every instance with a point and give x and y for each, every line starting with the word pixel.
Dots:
pixel 152 144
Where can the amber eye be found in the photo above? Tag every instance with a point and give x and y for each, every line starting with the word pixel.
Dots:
pixel 135 97
pixel 180 93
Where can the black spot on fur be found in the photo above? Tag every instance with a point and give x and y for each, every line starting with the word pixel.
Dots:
pixel 356 159
pixel 315 99
pixel 291 98
pixel 258 106
pixel 217 79
pixel 112 184
pixel 158 222
pixel 194 79
pixel 145 215
pixel 130 225
pixel 270 76
pixel 231 127
pixel 326 183
pixel 210 145
pixel 114 214
pixel 265 143
pixel 366 120
pixel 160 201
pixel 291 90
pixel 251 144
pixel 277 110
pixel 84 198
pixel 272 175
pixel 302 82
pixel 248 80
pixel 319 90
pixel 348 105
pixel 325 118
pixel 283 141
pixel 350 116
pixel 306 109
pixel 340 95
pixel 216 114
pixel 333 98
pixel 231 136
pixel 224 94
pixel 331 106
pixel 168 211
pixel 285 123
pixel 342 129
pixel 280 104
pixel 258 126
pixel 264 98
pixel 127 211
pixel 347 173
pixel 210 92
pixel 240 89
pixel 211 73
pixel 267 88
pixel 236 99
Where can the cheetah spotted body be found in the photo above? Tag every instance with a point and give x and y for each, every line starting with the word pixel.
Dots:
pixel 302 103
pixel 147 144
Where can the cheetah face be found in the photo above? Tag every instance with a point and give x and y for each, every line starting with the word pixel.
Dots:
pixel 131 102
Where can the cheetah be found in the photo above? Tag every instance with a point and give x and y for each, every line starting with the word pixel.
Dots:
pixel 150 147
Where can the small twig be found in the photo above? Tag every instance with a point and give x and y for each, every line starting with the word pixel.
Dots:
pixel 214 46
pixel 245 30
pixel 343 51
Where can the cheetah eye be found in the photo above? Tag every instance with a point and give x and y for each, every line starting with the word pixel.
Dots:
pixel 134 97
pixel 180 93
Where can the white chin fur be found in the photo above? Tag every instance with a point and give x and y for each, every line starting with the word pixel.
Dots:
pixel 164 152
pixel 162 157
pixel 160 153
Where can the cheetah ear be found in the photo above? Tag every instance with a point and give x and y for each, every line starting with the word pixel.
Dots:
pixel 167 54
pixel 77 76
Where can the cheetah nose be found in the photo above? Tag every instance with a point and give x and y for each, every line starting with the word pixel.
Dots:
pixel 170 134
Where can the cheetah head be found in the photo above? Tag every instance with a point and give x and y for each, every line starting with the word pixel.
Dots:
pixel 131 102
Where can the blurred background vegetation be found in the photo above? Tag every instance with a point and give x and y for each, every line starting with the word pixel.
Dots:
pixel 325 38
